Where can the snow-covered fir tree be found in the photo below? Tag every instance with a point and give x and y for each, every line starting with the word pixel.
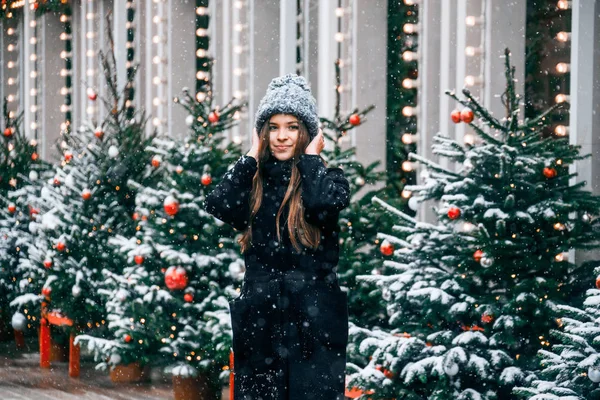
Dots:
pixel 480 287
pixel 170 305
pixel 361 221
pixel 570 370
pixel 89 200
pixel 21 170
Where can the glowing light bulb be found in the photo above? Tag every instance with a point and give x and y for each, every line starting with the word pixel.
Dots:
pixel 563 68
pixel 563 36
pixel 473 20
pixel 563 4
pixel 471 51
pixel 409 56
pixel 410 28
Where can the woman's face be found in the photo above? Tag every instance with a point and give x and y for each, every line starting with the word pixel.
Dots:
pixel 284 130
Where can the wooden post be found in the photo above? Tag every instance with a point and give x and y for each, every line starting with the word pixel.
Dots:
pixel 73 357
pixel 231 377
pixel 44 343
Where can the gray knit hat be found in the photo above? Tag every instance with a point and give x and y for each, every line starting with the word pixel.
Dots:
pixel 289 94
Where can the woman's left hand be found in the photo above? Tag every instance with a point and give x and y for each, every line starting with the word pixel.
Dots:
pixel 316 145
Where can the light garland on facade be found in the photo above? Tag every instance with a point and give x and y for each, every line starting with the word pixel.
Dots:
pixel 67 90
pixel 130 63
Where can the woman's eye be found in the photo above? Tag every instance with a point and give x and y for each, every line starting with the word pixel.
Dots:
pixel 294 127
pixel 272 127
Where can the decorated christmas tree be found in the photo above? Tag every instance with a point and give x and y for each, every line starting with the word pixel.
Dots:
pixel 571 367
pixel 360 222
pixel 89 200
pixel 20 171
pixel 480 287
pixel 170 305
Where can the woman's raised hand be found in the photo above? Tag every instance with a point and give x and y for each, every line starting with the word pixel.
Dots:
pixel 316 145
pixel 255 141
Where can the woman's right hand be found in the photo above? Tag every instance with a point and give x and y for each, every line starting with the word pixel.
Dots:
pixel 255 141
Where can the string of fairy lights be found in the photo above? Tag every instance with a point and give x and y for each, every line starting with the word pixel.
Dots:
pixel 202 45
pixel 562 67
pixel 12 64
pixel 130 59
pixel 410 137
pixel 67 72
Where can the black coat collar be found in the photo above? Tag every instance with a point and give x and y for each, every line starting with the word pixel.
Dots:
pixel 277 171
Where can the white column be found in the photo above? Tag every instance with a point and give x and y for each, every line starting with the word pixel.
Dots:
pixel 505 27
pixel 428 98
pixel 585 99
pixel 287 37
pixel 585 90
pixel 120 38
pixel 327 56
pixel 448 58
pixel 26 48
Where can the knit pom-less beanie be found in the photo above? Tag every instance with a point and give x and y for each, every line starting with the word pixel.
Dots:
pixel 289 94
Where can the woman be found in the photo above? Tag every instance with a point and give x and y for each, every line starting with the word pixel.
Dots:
pixel 290 323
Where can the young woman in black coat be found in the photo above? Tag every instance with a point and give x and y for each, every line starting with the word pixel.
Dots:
pixel 290 323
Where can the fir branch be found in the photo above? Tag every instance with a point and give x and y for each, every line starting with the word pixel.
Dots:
pixel 432 165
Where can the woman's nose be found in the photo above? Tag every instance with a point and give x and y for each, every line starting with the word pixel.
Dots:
pixel 281 134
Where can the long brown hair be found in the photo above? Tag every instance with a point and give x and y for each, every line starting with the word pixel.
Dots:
pixel 299 229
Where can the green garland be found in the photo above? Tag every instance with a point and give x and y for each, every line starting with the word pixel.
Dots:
pixel 399 97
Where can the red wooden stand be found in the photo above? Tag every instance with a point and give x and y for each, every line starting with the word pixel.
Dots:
pixel 55 318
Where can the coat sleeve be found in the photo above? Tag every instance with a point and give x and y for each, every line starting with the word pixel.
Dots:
pixel 325 191
pixel 229 200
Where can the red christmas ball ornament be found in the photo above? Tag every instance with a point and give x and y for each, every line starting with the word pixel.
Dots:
pixel 46 291
pixel 8 132
pixel 68 156
pixel 156 160
pixel 99 133
pixel 171 205
pixel 176 278
pixel 92 95
pixel 36 6
pixel 188 297
pixel 467 115
pixel 56 182
pixel 127 338
pixel 34 156
pixel 550 172
pixel 60 246
pixel 135 216
pixel 454 213
pixel 12 208
pixel 455 116
pixel 354 119
pixel 213 117
pixel 47 263
pixel 33 211
pixel 388 374
pixel 486 318
pixel 138 259
pixel 386 248
pixel 206 179
pixel 598 282
pixel 478 255
pixel 86 194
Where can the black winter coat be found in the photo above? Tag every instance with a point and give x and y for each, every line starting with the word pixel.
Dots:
pixel 290 323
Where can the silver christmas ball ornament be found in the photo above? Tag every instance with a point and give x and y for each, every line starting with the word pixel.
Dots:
pixel 594 374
